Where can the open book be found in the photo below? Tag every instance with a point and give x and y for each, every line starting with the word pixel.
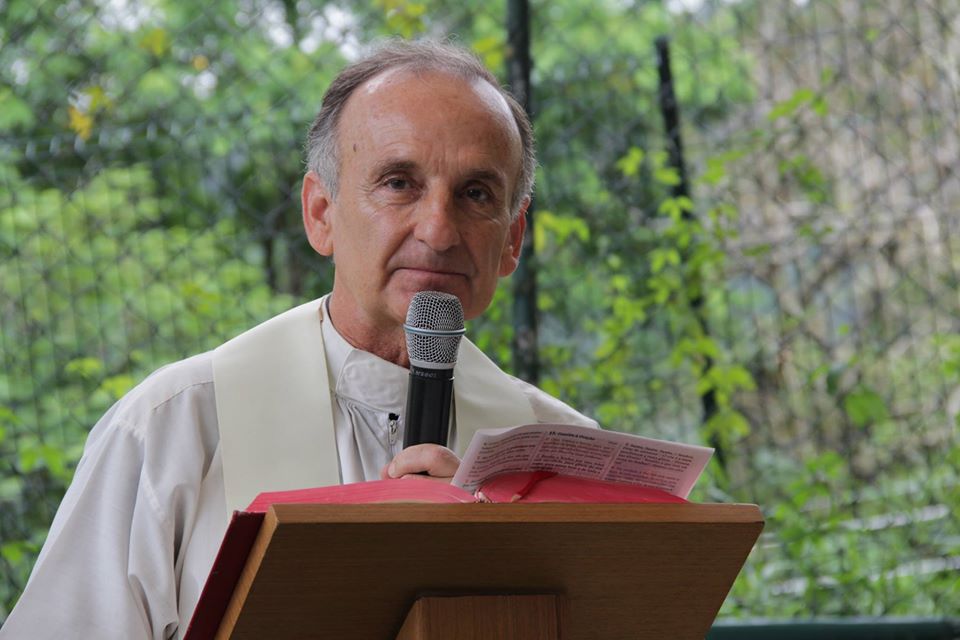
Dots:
pixel 535 463
pixel 529 463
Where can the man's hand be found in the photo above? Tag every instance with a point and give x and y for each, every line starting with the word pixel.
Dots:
pixel 435 461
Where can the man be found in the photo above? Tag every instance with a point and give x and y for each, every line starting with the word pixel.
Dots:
pixel 420 170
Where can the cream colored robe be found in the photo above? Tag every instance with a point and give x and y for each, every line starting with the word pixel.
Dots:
pixel 275 414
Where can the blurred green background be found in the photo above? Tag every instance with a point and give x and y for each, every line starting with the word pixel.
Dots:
pixel 791 298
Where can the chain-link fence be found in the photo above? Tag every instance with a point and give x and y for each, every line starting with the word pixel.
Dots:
pixel 793 302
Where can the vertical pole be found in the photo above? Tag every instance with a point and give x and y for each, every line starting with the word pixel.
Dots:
pixel 667 99
pixel 671 121
pixel 526 362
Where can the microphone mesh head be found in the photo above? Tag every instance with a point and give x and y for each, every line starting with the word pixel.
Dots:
pixel 434 327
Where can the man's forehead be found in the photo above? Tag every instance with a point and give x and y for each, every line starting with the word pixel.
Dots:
pixel 400 79
pixel 405 115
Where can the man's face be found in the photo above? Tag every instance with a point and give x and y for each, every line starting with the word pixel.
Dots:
pixel 428 166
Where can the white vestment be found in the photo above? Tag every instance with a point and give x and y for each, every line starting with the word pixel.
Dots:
pixel 134 538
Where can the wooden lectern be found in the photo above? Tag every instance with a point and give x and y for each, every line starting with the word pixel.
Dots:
pixel 463 571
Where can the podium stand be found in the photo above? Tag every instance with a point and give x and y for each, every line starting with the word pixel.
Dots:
pixel 453 571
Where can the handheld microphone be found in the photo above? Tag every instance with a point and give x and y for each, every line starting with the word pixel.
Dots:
pixel 433 329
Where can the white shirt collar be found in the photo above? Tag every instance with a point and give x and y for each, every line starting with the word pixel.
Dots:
pixel 351 371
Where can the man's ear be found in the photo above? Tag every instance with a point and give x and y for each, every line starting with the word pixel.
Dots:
pixel 316 203
pixel 510 257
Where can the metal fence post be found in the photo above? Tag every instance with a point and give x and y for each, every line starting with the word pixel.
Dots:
pixel 526 363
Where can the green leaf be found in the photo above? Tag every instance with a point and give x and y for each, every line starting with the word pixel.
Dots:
pixel 8 417
pixel 156 85
pixel 116 386
pixel 827 75
pixel 716 166
pixel 828 464
pixel 728 425
pixel 667 176
pixel 736 377
pixel 28 457
pixel 630 164
pixel 156 41
pixel 806 230
pixel 715 172
pixel 818 373
pixel 792 104
pixel 819 106
pixel 404 17
pixel 13 552
pixel 55 460
pixel 561 227
pixel 14 112
pixel 84 368
pixel 676 207
pixel 662 257
pixel 11 488
pixel 834 375
pixel 632 312
pixel 864 406
pixel 492 50
pixel 758 251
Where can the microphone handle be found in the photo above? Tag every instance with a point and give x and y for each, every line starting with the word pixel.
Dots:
pixel 428 406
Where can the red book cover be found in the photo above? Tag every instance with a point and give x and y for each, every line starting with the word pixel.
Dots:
pixel 410 489
pixel 543 486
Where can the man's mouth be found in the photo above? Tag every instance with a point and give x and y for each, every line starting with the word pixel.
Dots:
pixel 434 271
pixel 427 278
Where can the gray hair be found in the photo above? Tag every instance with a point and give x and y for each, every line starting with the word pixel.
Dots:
pixel 322 150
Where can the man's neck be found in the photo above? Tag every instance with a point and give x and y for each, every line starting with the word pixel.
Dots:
pixel 388 343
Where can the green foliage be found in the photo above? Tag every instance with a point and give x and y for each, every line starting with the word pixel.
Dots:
pixel 665 288
pixel 804 97
pixel 623 285
pixel 865 407
pixel 69 264
pixel 403 17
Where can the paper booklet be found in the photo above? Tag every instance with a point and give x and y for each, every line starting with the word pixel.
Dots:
pixel 529 463
pixel 582 452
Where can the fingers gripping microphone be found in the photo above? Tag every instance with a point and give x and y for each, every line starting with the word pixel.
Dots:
pixel 433 328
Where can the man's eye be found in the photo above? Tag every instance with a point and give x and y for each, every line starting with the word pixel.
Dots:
pixel 398 183
pixel 478 194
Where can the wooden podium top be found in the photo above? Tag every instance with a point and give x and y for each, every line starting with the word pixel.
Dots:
pixel 624 571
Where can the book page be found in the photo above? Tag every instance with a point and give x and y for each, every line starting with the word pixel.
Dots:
pixel 584 452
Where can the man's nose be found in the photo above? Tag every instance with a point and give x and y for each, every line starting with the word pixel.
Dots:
pixel 437 224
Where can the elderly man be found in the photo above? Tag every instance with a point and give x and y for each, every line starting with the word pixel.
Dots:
pixel 420 169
